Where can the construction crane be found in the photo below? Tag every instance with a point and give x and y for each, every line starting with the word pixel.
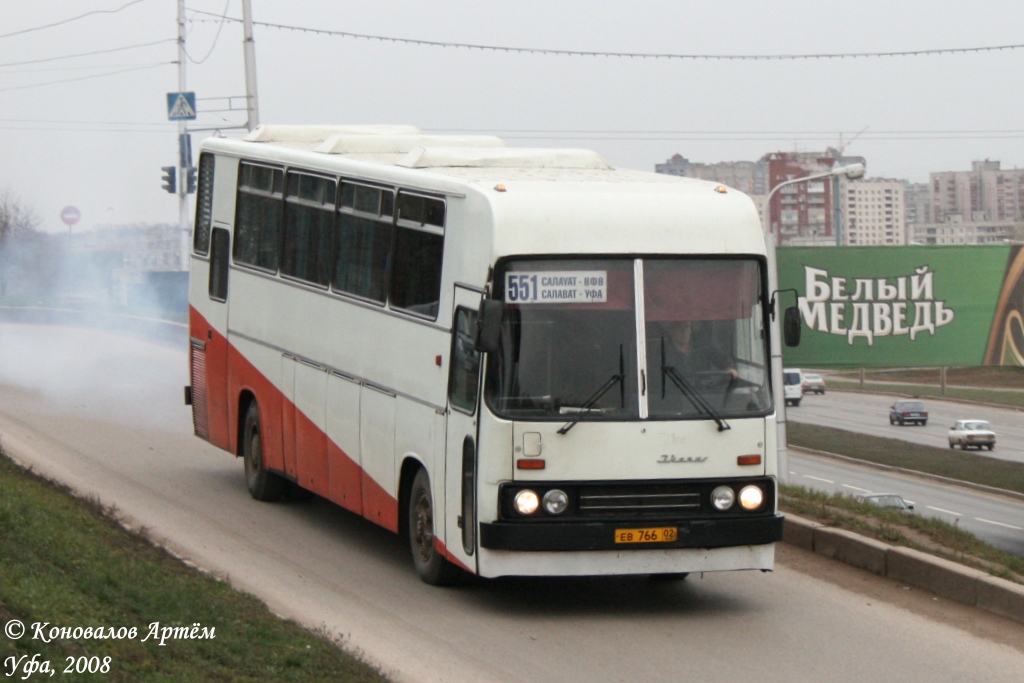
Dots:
pixel 843 145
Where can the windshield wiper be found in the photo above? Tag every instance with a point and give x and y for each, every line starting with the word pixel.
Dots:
pixel 596 396
pixel 688 391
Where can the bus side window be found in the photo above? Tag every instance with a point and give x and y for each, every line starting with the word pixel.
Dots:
pixel 219 263
pixel 258 217
pixel 204 205
pixel 419 247
pixel 465 364
pixel 362 242
pixel 309 214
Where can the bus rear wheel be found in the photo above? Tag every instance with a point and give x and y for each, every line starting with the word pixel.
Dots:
pixel 431 566
pixel 262 485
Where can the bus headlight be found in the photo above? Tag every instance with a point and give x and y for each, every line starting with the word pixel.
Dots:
pixel 723 497
pixel 751 497
pixel 555 502
pixel 526 502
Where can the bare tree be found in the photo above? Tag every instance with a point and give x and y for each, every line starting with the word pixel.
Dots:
pixel 15 217
pixel 17 224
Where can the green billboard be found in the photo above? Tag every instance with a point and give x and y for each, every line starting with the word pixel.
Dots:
pixel 922 306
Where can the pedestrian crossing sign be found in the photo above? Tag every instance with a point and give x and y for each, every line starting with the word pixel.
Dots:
pixel 181 106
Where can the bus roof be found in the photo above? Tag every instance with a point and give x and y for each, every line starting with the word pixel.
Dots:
pixel 542 200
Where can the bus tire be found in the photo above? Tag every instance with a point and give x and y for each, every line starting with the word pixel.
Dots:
pixel 431 566
pixel 263 485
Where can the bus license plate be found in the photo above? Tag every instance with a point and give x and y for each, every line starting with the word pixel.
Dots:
pixel 666 534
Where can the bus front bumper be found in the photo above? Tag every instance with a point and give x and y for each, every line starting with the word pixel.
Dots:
pixel 601 535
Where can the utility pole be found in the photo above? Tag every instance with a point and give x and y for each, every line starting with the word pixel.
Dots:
pixel 252 103
pixel 184 149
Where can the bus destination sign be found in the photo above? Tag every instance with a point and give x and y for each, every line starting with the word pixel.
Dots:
pixel 557 287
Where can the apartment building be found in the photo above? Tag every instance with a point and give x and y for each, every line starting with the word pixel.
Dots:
pixel 874 212
pixel 746 176
pixel 982 206
pixel 985 193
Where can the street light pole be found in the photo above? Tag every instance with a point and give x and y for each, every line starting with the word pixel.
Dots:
pixel 852 171
pixel 252 99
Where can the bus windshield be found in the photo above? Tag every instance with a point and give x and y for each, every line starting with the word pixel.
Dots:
pixel 574 348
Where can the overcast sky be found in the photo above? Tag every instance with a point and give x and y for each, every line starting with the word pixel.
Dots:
pixel 83 114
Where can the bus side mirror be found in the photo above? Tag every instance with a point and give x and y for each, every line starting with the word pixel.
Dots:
pixel 488 325
pixel 791 326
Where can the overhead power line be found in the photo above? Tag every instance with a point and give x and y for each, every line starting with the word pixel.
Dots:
pixel 631 55
pixel 88 54
pixel 86 78
pixel 220 27
pixel 70 20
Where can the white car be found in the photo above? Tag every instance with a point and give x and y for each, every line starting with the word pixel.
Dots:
pixel 813 384
pixel 972 434
pixel 888 500
pixel 793 386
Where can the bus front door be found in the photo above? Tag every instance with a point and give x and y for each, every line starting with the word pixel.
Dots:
pixel 461 448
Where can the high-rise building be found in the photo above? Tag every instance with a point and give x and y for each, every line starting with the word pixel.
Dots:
pixel 917 203
pixel 982 206
pixel 985 193
pixel 874 212
pixel 801 213
pixel 746 176
pixel 806 214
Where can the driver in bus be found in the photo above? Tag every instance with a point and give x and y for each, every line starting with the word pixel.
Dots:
pixel 688 349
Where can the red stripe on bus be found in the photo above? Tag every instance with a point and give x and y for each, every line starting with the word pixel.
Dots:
pixel 333 475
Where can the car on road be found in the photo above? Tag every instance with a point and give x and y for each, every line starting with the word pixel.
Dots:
pixel 813 384
pixel 908 412
pixel 793 386
pixel 887 500
pixel 972 434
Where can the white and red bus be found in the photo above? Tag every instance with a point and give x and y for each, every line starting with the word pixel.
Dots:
pixel 524 360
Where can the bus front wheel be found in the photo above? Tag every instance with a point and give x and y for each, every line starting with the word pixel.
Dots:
pixel 262 485
pixel 431 566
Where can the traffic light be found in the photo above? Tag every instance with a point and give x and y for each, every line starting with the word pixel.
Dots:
pixel 169 178
pixel 190 174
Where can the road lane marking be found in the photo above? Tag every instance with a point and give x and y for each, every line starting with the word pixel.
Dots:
pixel 855 488
pixel 827 481
pixel 1008 526
pixel 948 512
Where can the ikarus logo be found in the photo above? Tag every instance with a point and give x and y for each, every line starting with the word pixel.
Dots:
pixel 869 308
pixel 668 459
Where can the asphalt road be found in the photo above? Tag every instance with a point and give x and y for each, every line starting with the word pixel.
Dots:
pixel 104 413
pixel 997 519
pixel 869 414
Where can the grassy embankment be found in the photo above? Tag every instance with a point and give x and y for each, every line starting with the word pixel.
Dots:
pixel 994 385
pixel 930 535
pixel 67 561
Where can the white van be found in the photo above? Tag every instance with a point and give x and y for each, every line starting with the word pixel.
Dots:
pixel 793 385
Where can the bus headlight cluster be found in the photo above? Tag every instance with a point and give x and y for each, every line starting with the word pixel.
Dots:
pixel 555 502
pixel 723 497
pixel 528 502
pixel 751 497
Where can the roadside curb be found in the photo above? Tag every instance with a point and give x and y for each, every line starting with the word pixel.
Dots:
pixel 947 579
